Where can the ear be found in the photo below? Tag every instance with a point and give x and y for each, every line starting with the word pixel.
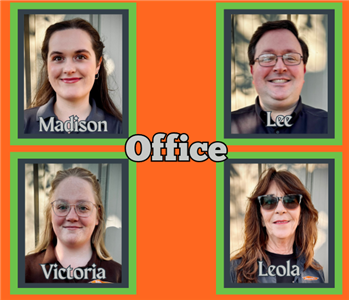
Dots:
pixel 263 224
pixel 305 69
pixel 99 65
pixel 251 69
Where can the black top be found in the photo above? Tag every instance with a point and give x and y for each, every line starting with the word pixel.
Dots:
pixel 252 119
pixel 35 274
pixel 46 112
pixel 281 260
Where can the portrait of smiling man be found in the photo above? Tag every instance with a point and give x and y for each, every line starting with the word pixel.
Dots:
pixel 278 62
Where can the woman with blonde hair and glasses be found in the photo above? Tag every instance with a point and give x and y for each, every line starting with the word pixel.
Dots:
pixel 280 234
pixel 72 247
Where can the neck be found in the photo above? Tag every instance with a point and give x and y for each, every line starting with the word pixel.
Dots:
pixel 63 108
pixel 74 256
pixel 280 246
pixel 277 111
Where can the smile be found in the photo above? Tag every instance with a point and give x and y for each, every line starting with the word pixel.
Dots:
pixel 72 227
pixel 279 80
pixel 281 222
pixel 71 80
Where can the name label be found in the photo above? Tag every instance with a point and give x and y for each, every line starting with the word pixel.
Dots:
pixel 280 120
pixel 72 125
pixel 280 271
pixel 69 273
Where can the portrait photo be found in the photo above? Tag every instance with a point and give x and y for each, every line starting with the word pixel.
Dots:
pixel 75 228
pixel 279 223
pixel 279 73
pixel 73 74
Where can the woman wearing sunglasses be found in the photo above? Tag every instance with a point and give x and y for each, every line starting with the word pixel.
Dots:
pixel 280 234
pixel 72 247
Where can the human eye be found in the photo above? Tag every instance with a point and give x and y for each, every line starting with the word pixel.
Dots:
pixel 61 206
pixel 57 58
pixel 267 58
pixel 81 57
pixel 83 208
pixel 292 57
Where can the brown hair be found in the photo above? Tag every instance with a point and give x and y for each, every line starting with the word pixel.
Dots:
pixel 99 92
pixel 256 235
pixel 274 25
pixel 48 236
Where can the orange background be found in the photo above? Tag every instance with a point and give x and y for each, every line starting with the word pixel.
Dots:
pixel 176 202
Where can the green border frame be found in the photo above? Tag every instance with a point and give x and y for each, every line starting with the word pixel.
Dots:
pixel 14 140
pixel 220 7
pixel 220 289
pixel 14 224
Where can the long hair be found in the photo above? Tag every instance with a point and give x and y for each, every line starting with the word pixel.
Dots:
pixel 274 25
pixel 99 92
pixel 256 236
pixel 48 236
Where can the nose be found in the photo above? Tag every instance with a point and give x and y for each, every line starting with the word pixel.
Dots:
pixel 280 67
pixel 72 216
pixel 69 67
pixel 280 209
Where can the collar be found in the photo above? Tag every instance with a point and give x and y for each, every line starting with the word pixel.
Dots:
pixel 50 257
pixel 46 111
pixel 263 114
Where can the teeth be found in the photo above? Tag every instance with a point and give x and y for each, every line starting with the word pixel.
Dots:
pixel 279 80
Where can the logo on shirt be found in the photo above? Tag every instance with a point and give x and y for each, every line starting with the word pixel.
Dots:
pixel 310 278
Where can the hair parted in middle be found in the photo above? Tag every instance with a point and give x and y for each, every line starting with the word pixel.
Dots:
pixel 99 92
pixel 274 25
pixel 97 240
pixel 256 237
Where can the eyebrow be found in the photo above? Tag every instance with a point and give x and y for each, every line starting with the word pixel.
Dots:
pixel 77 52
pixel 286 51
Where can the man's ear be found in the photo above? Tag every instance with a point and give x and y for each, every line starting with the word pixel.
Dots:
pixel 251 69
pixel 305 69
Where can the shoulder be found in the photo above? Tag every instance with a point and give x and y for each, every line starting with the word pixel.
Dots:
pixel 30 114
pixel 114 124
pixel 112 269
pixel 243 112
pixel 32 265
pixel 233 265
pixel 315 112
pixel 244 120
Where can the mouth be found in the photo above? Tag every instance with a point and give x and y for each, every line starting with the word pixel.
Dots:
pixel 70 80
pixel 281 222
pixel 279 80
pixel 72 227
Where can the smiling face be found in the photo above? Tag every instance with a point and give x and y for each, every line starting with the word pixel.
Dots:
pixel 71 64
pixel 278 87
pixel 280 223
pixel 72 230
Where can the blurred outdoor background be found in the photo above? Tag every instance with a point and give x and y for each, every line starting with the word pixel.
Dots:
pixel 312 29
pixel 244 178
pixel 110 30
pixel 38 178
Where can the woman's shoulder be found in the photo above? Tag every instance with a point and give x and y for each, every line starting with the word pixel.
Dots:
pixel 233 265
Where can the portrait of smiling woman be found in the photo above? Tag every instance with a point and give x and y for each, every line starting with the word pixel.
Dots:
pixel 280 233
pixel 73 95
pixel 71 248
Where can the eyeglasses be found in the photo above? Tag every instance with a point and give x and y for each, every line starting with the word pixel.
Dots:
pixel 270 202
pixel 270 59
pixel 62 208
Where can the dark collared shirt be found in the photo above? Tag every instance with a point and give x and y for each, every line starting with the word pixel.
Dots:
pixel 32 121
pixel 35 274
pixel 252 119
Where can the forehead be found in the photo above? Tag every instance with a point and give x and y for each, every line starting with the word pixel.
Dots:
pixel 279 41
pixel 274 189
pixel 73 189
pixel 70 40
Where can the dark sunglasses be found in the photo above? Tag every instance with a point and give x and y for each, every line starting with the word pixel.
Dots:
pixel 270 202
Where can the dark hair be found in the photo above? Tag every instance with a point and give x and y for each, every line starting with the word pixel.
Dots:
pixel 274 25
pixel 99 92
pixel 256 236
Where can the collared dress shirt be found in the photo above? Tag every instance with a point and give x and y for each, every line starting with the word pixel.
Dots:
pixel 252 119
pixel 35 274
pixel 32 122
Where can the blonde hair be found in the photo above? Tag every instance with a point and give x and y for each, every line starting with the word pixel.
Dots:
pixel 97 240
